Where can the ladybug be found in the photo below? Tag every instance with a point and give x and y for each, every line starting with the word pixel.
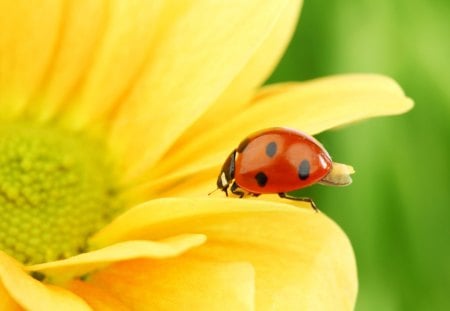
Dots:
pixel 277 161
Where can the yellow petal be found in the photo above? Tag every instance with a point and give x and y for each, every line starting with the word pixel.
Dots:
pixel 325 103
pixel 62 270
pixel 194 60
pixel 139 221
pixel 176 284
pixel 257 70
pixel 187 183
pixel 6 302
pixel 302 260
pixel 81 25
pixel 73 57
pixel 122 47
pixel 32 294
pixel 312 107
pixel 30 32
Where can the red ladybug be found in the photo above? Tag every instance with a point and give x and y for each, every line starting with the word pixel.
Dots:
pixel 280 160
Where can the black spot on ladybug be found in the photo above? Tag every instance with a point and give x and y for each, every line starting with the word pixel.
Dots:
pixel 271 149
pixel 261 179
pixel 303 170
pixel 243 145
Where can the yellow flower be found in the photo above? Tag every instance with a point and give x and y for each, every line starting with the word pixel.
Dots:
pixel 130 108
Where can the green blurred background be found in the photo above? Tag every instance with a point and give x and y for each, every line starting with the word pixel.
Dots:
pixel 397 212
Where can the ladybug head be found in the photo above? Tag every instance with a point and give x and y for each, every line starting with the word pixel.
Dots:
pixel 226 174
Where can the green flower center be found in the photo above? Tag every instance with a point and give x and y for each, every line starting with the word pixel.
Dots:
pixel 56 190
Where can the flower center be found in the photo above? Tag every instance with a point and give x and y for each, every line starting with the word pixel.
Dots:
pixel 56 189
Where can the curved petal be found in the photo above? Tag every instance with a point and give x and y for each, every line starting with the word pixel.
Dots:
pixel 256 71
pixel 32 294
pixel 181 283
pixel 29 35
pixel 87 262
pixel 302 260
pixel 312 107
pixel 195 59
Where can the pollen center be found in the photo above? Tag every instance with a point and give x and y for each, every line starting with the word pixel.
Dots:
pixel 56 189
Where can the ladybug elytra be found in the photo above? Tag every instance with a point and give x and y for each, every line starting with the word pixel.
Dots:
pixel 277 161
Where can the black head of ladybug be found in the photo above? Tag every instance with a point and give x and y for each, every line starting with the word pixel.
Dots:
pixel 226 175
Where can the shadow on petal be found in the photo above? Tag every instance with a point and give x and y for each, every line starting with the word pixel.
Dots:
pixel 6 301
pixel 96 297
pixel 175 284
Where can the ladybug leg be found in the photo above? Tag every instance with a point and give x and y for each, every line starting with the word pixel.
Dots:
pixel 225 189
pixel 291 197
pixel 236 190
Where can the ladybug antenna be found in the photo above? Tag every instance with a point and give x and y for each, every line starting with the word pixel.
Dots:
pixel 213 191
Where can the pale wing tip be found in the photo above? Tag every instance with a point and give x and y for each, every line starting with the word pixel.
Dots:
pixel 339 175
